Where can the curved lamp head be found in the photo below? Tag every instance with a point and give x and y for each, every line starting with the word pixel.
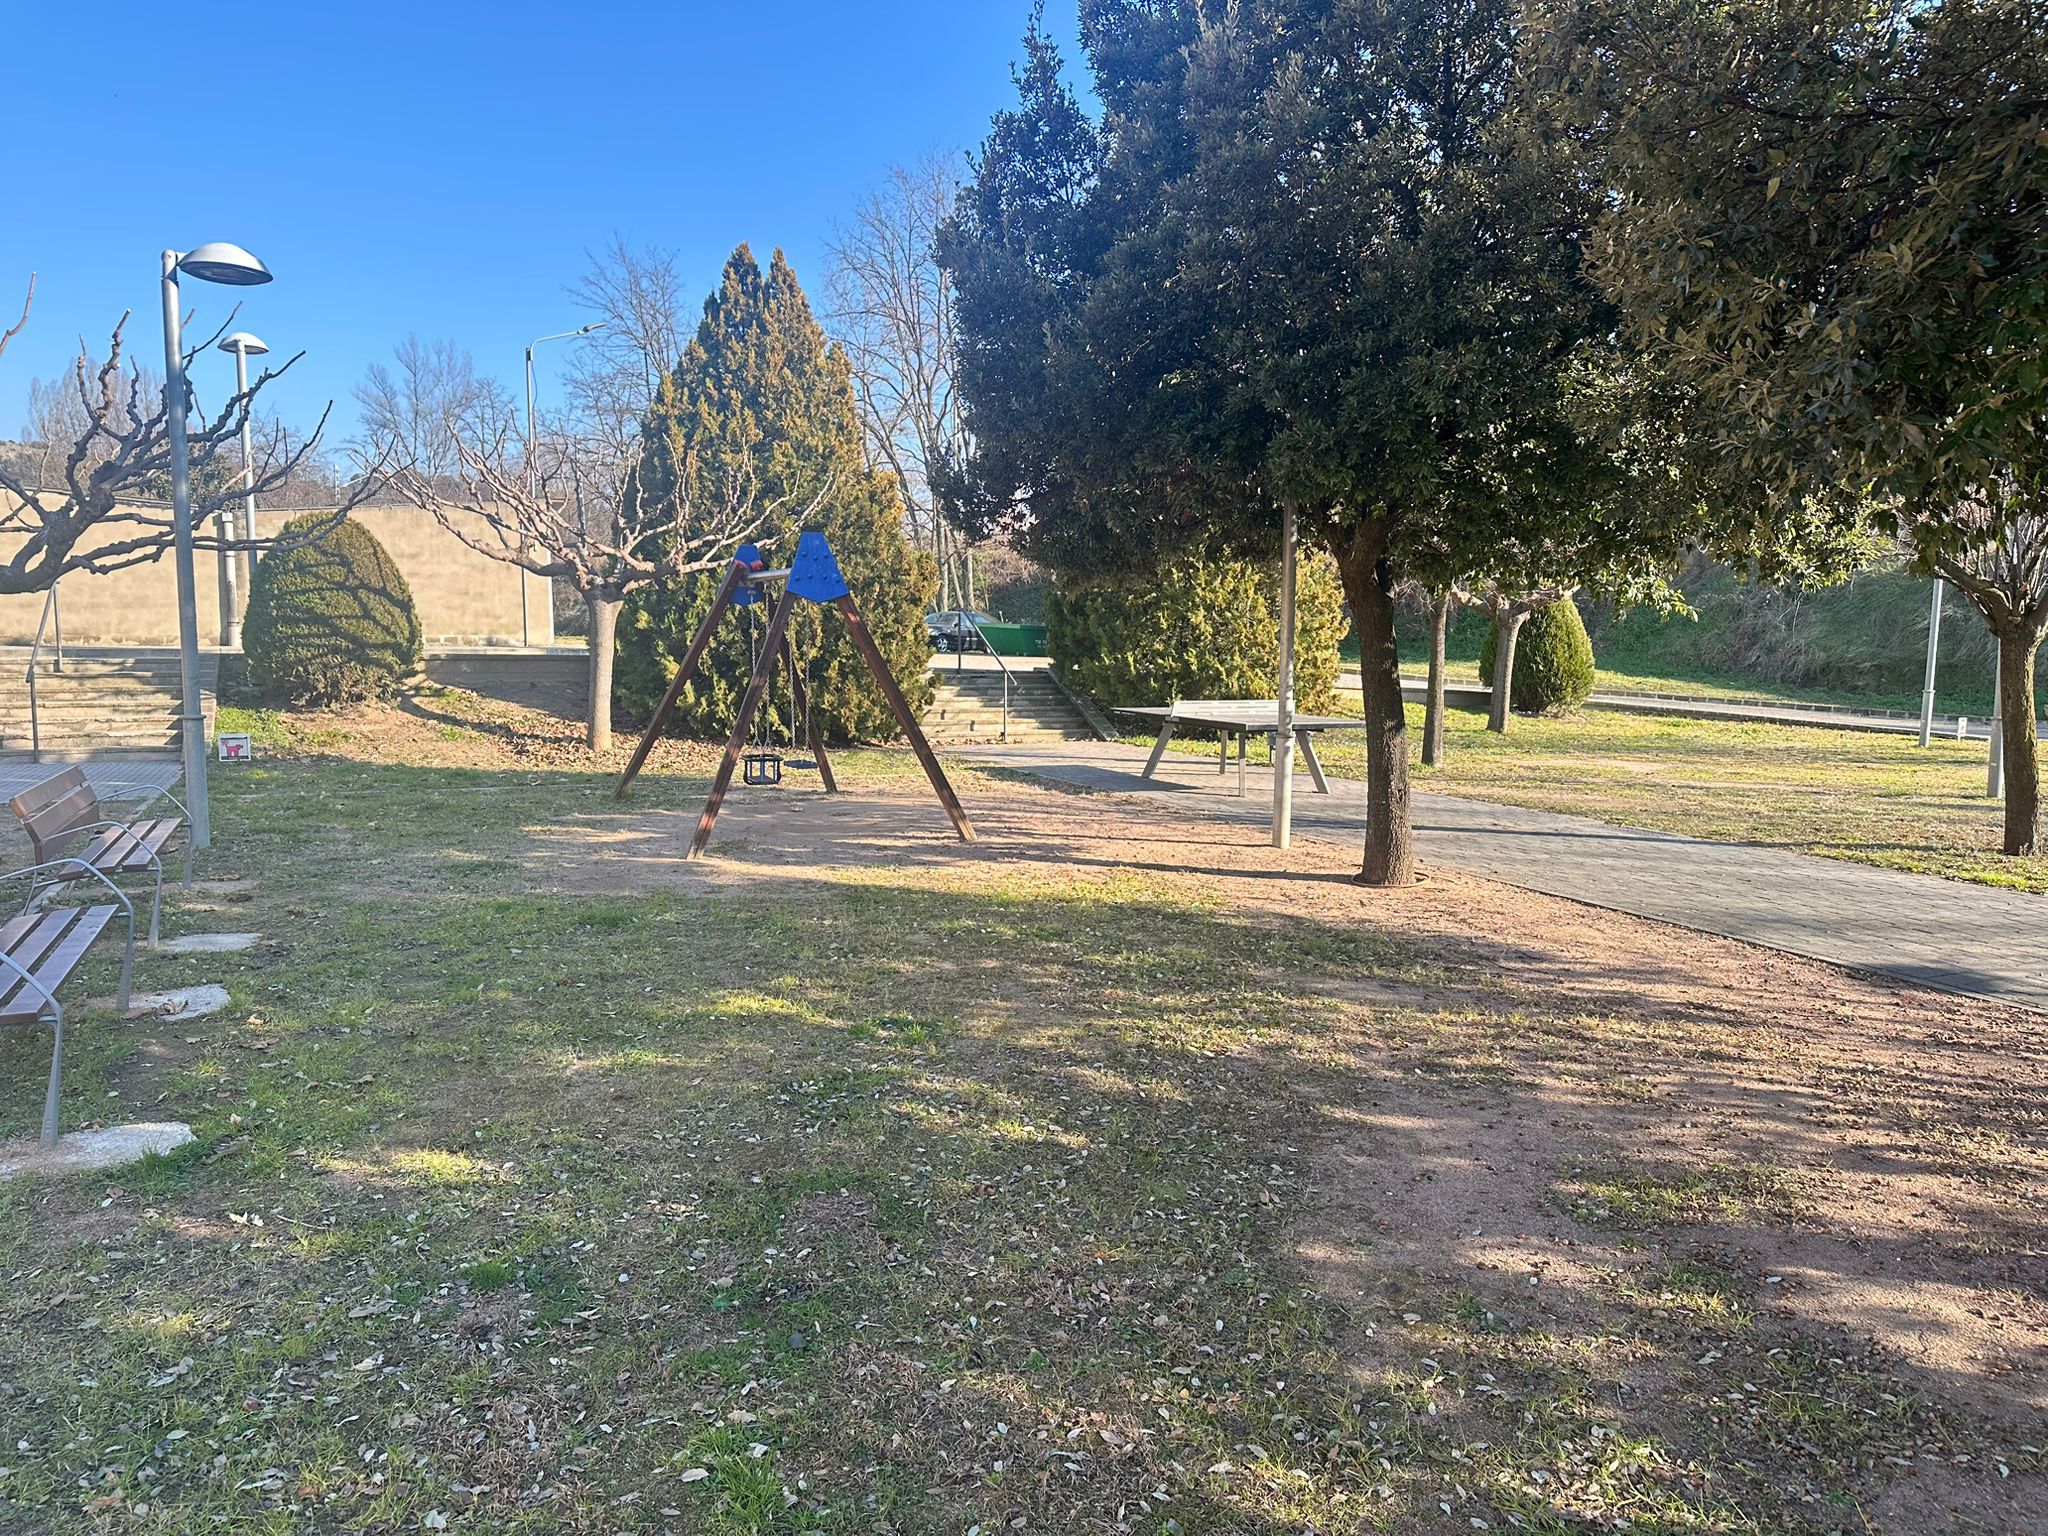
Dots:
pixel 244 342
pixel 219 262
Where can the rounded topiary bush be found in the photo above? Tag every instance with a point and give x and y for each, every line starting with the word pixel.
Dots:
pixel 1553 661
pixel 331 620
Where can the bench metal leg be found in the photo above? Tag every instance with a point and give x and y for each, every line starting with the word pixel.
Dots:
pixel 156 905
pixel 49 1136
pixel 1306 740
pixel 128 965
pixel 1244 742
pixel 55 1014
pixel 1158 748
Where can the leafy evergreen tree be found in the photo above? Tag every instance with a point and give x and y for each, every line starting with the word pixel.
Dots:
pixel 1824 227
pixel 761 407
pixel 1311 254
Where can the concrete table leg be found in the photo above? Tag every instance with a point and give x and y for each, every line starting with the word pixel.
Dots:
pixel 1158 748
pixel 1244 741
pixel 1307 739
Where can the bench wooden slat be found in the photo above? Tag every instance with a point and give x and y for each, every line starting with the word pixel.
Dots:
pixel 18 1000
pixel 108 848
pixel 150 837
pixel 40 796
pixel 72 931
pixel 48 827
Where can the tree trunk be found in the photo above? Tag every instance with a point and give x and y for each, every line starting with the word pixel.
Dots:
pixel 2017 649
pixel 1433 712
pixel 604 630
pixel 1369 586
pixel 1505 635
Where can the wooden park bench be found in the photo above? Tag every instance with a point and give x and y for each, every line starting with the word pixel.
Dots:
pixel 64 808
pixel 39 949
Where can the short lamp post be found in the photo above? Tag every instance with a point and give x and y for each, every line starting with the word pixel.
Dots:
pixel 216 262
pixel 532 482
pixel 235 565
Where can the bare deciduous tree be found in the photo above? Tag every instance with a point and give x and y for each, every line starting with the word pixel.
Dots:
pixel 890 306
pixel 586 522
pixel 637 298
pixel 97 507
pixel 432 393
pixel 582 512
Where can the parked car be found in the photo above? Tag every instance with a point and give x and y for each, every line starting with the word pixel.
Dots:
pixel 954 630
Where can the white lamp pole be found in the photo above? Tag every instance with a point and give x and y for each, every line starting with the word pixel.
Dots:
pixel 216 262
pixel 532 481
pixel 1283 738
pixel 235 569
pixel 1933 652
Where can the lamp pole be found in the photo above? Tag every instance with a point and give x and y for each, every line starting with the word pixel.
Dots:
pixel 1283 737
pixel 217 262
pixel 237 566
pixel 533 482
pixel 1933 650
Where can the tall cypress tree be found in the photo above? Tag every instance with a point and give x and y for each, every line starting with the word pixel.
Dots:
pixel 761 407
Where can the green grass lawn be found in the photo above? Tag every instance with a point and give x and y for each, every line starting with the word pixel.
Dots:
pixel 1689 684
pixel 1873 799
pixel 530 1198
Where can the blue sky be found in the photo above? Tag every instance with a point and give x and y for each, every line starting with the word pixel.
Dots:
pixel 440 168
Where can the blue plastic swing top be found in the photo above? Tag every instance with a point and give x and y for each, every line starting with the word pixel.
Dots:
pixel 814 573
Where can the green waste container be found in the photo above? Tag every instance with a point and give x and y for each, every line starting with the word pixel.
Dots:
pixel 1015 639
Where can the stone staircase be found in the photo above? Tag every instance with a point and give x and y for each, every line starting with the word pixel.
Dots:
pixel 967 706
pixel 107 699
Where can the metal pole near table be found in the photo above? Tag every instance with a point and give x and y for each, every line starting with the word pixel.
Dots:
pixel 1933 647
pixel 1283 735
pixel 1994 777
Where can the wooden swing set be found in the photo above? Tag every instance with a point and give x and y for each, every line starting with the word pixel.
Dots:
pixel 813 574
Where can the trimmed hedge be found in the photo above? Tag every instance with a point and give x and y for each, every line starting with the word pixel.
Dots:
pixel 331 621
pixel 1201 629
pixel 1553 661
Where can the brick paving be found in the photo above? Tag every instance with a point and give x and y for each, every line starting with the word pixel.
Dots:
pixel 1964 938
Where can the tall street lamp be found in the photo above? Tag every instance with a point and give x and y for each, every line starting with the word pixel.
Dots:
pixel 532 483
pixel 215 262
pixel 235 564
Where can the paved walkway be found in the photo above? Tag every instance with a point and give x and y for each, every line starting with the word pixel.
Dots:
pixel 1944 933
pixel 107 775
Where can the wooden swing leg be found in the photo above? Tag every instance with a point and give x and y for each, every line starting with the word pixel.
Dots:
pixel 864 642
pixel 743 724
pixel 684 672
pixel 803 707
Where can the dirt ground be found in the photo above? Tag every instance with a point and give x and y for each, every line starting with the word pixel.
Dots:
pixel 1626 1137
pixel 1861 1161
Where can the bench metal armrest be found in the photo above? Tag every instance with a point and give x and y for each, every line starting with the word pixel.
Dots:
pixel 28 977
pixel 84 870
pixel 144 796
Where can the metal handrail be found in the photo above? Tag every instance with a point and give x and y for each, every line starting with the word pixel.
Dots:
pixel 35 719
pixel 961 665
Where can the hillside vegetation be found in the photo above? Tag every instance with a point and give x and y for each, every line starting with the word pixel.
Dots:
pixel 1864 640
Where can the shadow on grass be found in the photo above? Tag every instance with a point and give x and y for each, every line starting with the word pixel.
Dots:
pixel 965 1184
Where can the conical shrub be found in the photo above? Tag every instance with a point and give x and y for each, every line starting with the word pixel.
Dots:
pixel 331 620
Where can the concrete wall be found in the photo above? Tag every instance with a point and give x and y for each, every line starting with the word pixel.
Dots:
pixel 464 598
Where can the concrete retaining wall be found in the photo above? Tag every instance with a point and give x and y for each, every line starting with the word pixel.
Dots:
pixel 464 598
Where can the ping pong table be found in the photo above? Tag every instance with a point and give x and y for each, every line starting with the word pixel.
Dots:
pixel 1242 719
